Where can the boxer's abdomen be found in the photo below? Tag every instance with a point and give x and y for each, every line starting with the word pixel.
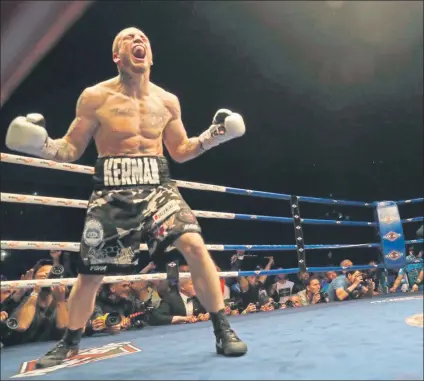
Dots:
pixel 131 127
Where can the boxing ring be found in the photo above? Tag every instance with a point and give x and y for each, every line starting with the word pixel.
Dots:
pixel 371 338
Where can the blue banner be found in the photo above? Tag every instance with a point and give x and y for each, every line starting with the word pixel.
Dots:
pixel 391 235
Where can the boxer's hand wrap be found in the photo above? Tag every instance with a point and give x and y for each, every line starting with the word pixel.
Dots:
pixel 28 135
pixel 226 125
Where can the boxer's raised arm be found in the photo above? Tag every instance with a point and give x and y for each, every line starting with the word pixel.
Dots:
pixel 28 134
pixel 226 125
pixel 82 129
pixel 180 147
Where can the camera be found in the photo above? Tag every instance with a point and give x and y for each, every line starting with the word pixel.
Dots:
pixel 56 272
pixel 289 304
pixel 324 297
pixel 110 319
pixel 12 323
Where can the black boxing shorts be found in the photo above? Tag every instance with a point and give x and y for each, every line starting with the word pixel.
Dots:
pixel 134 201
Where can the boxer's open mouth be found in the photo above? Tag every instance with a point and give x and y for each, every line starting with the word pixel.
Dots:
pixel 139 52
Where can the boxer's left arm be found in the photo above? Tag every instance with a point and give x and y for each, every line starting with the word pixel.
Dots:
pixel 225 126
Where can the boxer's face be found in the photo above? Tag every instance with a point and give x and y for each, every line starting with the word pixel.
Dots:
pixel 132 52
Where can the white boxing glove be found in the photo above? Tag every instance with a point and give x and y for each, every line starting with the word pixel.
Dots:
pixel 226 125
pixel 28 135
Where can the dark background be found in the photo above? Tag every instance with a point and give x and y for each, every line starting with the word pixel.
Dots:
pixel 332 99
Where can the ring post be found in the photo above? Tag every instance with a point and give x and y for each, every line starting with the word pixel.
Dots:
pixel 391 235
pixel 298 232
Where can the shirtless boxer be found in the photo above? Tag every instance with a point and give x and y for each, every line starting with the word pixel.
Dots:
pixel 134 199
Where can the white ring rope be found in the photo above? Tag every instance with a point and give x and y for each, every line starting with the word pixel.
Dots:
pixel 77 168
pixel 70 246
pixel 19 284
pixel 67 202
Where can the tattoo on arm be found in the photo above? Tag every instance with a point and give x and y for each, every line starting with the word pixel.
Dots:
pixel 66 153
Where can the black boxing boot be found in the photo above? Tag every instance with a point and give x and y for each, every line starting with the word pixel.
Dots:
pixel 65 348
pixel 227 342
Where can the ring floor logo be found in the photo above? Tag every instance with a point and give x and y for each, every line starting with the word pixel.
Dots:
pixel 85 356
pixel 416 320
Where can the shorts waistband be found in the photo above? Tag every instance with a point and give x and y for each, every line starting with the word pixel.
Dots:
pixel 130 172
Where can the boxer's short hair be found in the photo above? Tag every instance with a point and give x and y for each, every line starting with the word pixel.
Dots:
pixel 117 39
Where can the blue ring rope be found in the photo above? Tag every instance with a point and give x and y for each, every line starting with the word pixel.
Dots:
pixel 307 247
pixel 311 221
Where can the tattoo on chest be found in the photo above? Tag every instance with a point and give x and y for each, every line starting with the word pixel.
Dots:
pixel 123 111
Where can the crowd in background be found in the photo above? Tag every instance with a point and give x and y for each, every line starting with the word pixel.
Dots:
pixel 41 314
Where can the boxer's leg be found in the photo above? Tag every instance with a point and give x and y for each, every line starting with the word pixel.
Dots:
pixel 208 290
pixel 172 222
pixel 203 271
pixel 82 299
pixel 109 241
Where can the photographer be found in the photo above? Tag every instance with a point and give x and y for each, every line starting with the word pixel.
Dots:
pixel 253 289
pixel 311 294
pixel 411 273
pixel 43 315
pixel 373 276
pixel 349 286
pixel 12 298
pixel 112 310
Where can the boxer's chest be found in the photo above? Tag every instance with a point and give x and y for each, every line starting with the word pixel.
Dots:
pixel 147 117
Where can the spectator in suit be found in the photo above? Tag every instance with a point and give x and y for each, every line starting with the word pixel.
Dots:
pixel 179 306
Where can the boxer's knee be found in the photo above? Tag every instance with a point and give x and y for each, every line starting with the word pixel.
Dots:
pixel 192 246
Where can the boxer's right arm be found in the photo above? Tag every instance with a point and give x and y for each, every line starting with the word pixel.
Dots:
pixel 28 135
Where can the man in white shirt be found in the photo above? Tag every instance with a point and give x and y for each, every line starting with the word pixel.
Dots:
pixel 282 288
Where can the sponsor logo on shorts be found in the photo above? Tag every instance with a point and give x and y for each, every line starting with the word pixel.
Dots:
pixel 131 171
pixel 164 212
pixel 192 227
pixel 98 268
pixel 392 236
pixel 85 356
pixel 394 255
pixel 93 233
pixel 186 216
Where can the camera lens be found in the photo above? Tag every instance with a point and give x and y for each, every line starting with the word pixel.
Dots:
pixel 113 318
pixel 12 323
pixel 58 270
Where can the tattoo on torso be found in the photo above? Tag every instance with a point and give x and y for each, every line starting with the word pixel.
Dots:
pixel 123 111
